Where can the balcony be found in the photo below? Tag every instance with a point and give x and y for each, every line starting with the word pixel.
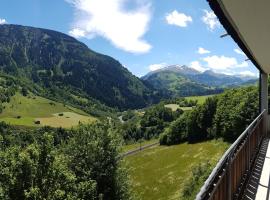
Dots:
pixel 244 170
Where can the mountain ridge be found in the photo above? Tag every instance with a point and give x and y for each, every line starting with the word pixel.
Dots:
pixel 55 60
pixel 184 80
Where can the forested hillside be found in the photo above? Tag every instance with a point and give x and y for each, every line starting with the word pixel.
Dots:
pixel 57 61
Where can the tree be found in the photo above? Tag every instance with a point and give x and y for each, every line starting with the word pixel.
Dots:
pixel 176 132
pixel 94 153
pixel 236 109
pixel 36 172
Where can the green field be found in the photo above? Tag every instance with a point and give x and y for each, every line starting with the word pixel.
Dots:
pixel 159 172
pixel 65 120
pixel 174 107
pixel 200 99
pixel 25 111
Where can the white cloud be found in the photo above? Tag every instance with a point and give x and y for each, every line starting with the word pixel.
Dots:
pixel 77 33
pixel 196 65
pixel 2 21
pixel 203 51
pixel 178 19
pixel 210 19
pixel 223 63
pixel 248 73
pixel 155 67
pixel 108 19
pixel 239 52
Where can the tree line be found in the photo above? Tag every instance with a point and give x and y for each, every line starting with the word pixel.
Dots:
pixel 221 116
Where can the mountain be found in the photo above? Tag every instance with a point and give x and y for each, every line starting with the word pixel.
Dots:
pixel 56 61
pixel 211 78
pixel 175 81
pixel 183 81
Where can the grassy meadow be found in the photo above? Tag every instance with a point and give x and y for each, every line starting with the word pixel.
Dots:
pixel 200 99
pixel 160 172
pixel 25 110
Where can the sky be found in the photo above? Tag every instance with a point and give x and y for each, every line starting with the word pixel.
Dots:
pixel 143 35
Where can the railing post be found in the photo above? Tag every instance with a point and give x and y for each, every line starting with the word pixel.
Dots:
pixel 229 178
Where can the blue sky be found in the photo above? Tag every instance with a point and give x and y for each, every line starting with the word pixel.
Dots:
pixel 142 34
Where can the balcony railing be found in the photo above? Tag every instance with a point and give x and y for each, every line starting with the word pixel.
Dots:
pixel 228 178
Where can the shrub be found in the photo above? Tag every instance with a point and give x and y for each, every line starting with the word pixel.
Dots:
pixel 199 174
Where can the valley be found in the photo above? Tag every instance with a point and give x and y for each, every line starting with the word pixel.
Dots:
pixel 50 80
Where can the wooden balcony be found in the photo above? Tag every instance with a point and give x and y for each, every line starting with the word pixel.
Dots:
pixel 244 170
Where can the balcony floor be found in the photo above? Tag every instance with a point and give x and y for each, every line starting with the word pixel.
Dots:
pixel 258 186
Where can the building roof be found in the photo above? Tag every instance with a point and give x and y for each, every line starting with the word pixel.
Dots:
pixel 248 23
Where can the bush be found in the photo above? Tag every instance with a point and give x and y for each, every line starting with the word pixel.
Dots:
pixel 198 176
pixel 24 91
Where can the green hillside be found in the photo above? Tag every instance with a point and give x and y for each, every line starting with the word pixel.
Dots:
pixel 26 110
pixel 161 172
pixel 176 84
pixel 56 61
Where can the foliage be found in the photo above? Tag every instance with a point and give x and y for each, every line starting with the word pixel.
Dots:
pixel 155 119
pixel 176 132
pixel 127 115
pixel 199 174
pixel 58 164
pixel 199 121
pixel 236 109
pixel 225 115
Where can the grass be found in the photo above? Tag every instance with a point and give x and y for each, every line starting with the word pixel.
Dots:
pixel 67 120
pixel 174 107
pixel 200 99
pixel 160 172
pixel 136 145
pixel 24 111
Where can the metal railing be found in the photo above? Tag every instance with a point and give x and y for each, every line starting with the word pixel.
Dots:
pixel 230 174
